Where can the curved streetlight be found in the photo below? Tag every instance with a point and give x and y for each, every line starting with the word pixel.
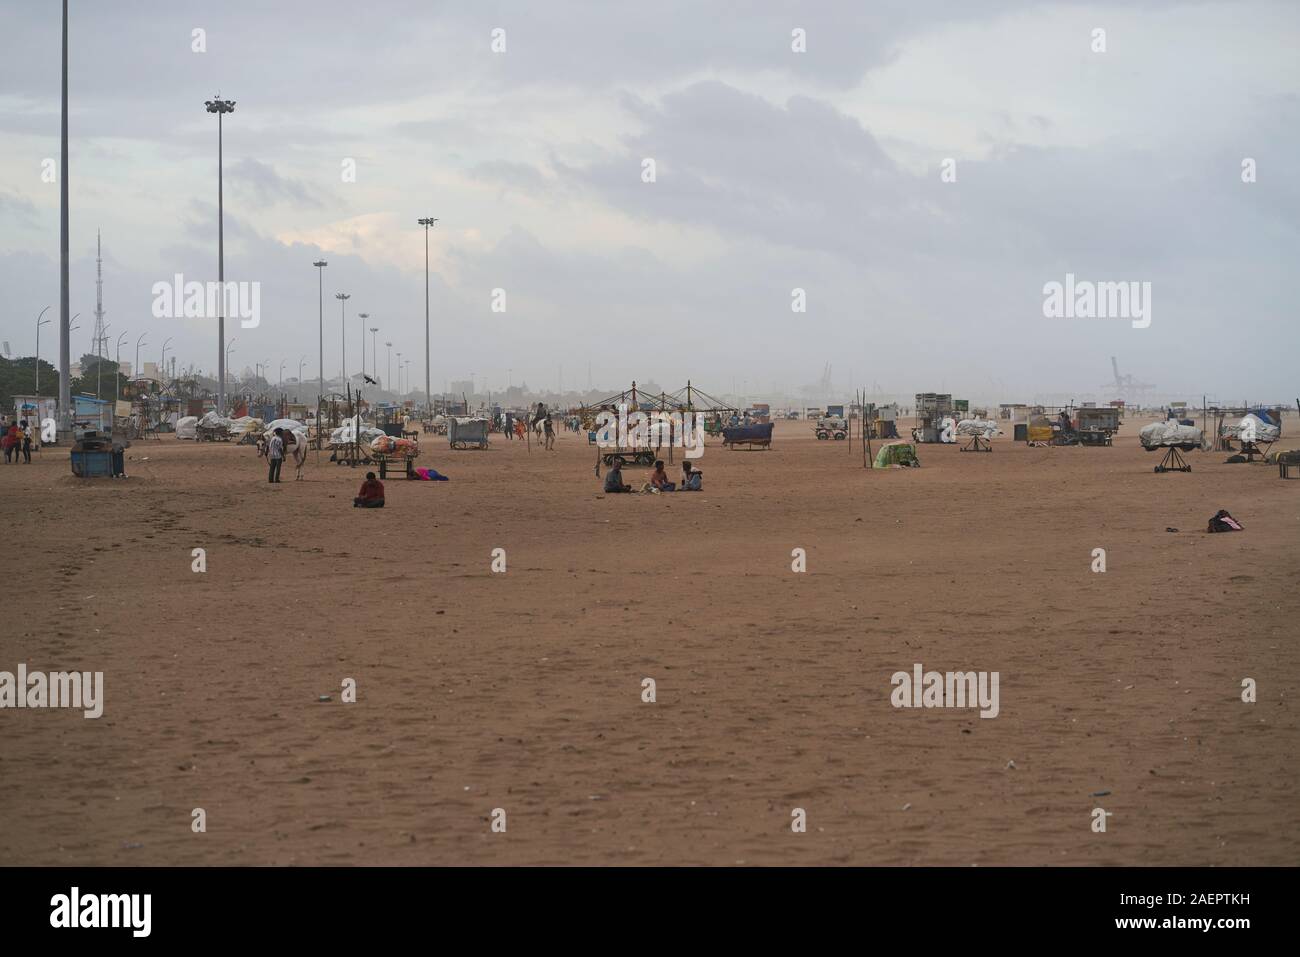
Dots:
pixel 39 323
pixel 117 378
pixel 162 364
pixel 138 343
pixel 230 347
pixel 282 362
pixel 221 108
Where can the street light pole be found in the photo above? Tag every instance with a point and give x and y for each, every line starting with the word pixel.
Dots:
pixel 65 332
pixel 399 375
pixel 221 108
pixel 320 265
pixel 162 370
pixel 230 347
pixel 117 379
pixel 374 352
pixel 343 298
pixel 39 323
pixel 428 401
pixel 138 343
pixel 388 377
pixel 363 316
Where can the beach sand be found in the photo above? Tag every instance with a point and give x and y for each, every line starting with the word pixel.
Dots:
pixel 523 690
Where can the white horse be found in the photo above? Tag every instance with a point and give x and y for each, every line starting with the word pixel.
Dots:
pixel 295 448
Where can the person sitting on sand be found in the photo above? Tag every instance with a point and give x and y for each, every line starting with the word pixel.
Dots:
pixel 659 478
pixel 372 493
pixel 614 480
pixel 692 478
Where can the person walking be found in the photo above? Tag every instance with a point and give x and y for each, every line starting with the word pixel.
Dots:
pixel 27 442
pixel 7 440
pixel 275 455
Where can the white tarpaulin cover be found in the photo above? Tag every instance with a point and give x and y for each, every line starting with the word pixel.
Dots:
pixel 1264 431
pixel 1167 433
pixel 186 426
pixel 348 430
pixel 211 420
pixel 293 425
pixel 245 423
pixel 985 428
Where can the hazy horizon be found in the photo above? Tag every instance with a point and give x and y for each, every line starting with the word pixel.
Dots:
pixel 827 171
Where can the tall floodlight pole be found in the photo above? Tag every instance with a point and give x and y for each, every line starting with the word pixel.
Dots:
pixel 117 379
pixel 388 376
pixel 343 298
pixel 282 362
pixel 427 223
pixel 399 375
pixel 40 322
pixel 65 346
pixel 221 108
pixel 374 352
pixel 320 265
pixel 363 316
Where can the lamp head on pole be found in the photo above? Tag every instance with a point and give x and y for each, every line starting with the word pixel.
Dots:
pixel 218 105
pixel 320 263
pixel 427 221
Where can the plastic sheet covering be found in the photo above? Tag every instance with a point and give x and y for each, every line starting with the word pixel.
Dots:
pixel 348 430
pixel 245 424
pixel 394 447
pixel 186 427
pixel 1265 431
pixel 1163 434
pixel 896 455
pixel 211 420
pixel 293 425
pixel 985 428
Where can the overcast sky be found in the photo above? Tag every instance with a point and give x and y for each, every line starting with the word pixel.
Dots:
pixel 775 170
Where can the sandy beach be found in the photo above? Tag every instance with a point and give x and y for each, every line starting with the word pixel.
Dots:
pixel 523 691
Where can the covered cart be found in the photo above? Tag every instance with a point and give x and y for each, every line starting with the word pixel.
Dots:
pixel 466 433
pixel 751 436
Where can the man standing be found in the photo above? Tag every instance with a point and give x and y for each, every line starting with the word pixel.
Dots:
pixel 275 455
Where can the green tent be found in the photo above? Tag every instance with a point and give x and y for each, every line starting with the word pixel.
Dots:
pixel 897 453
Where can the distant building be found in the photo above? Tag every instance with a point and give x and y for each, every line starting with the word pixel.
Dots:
pixel 465 386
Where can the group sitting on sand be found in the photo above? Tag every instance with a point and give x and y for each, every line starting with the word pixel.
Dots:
pixel 692 480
